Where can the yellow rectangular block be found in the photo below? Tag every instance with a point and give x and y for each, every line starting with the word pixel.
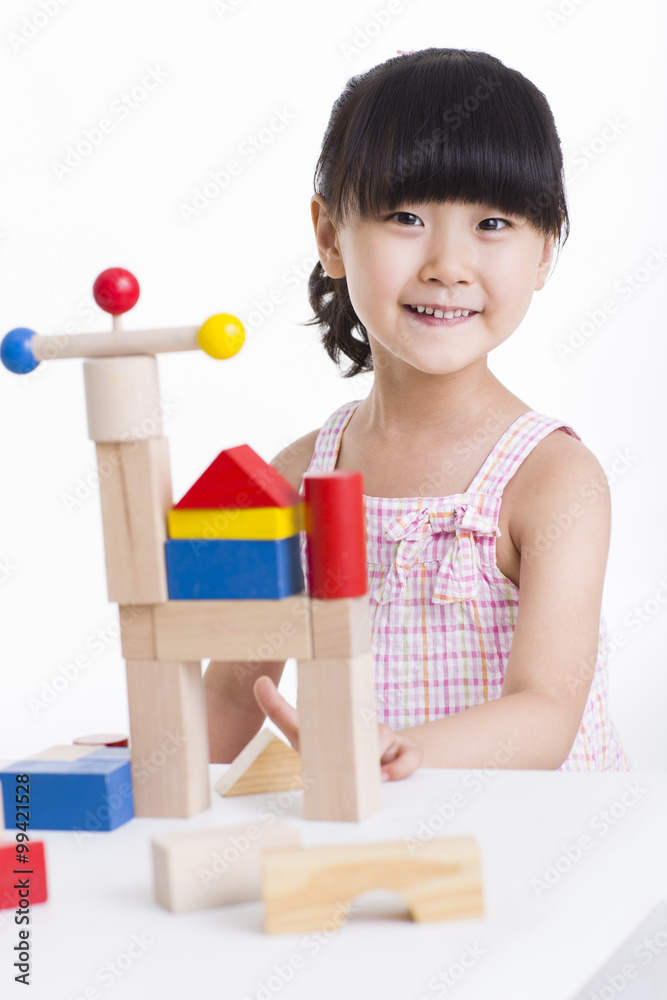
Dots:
pixel 234 522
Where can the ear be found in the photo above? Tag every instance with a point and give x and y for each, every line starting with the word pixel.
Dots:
pixel 545 262
pixel 326 236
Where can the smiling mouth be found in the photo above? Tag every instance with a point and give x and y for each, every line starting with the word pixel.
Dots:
pixel 440 318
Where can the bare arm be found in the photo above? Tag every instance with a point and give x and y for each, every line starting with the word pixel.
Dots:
pixel 233 713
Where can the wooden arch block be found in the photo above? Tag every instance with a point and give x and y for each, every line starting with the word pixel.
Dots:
pixel 305 889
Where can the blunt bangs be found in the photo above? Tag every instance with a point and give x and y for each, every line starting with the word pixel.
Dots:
pixel 443 125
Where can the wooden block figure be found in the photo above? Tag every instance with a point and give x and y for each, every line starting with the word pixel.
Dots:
pixel 83 788
pixel 305 889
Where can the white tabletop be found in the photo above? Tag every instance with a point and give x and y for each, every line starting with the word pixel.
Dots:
pixel 101 934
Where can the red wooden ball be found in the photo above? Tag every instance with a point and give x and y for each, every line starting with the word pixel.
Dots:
pixel 116 290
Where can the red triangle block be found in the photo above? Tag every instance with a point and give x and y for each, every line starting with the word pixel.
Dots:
pixel 239 478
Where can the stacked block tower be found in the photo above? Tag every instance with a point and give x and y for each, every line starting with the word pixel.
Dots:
pixel 218 575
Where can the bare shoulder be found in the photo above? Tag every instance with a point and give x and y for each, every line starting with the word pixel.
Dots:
pixel 294 460
pixel 560 478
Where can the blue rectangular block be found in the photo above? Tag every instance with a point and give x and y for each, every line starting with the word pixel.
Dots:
pixel 93 793
pixel 218 568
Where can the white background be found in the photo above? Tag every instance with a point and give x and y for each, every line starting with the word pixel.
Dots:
pixel 227 69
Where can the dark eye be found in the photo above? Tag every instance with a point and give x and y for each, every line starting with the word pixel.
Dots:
pixel 496 229
pixel 405 215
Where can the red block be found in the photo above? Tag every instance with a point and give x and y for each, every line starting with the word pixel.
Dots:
pixel 12 871
pixel 336 538
pixel 239 478
pixel 102 740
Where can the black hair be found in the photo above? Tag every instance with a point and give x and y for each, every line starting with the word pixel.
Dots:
pixel 434 125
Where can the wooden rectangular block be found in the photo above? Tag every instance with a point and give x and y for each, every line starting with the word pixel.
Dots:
pixel 216 866
pixel 224 568
pixel 135 493
pixel 341 627
pixel 338 738
pixel 11 870
pixel 236 522
pixel 90 793
pixel 233 630
pixel 304 890
pixel 137 639
pixel 168 738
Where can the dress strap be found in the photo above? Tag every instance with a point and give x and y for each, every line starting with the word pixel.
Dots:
pixel 327 442
pixel 512 448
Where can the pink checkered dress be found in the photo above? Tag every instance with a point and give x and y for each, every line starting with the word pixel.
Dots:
pixel 442 615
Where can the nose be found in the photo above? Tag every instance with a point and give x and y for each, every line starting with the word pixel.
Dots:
pixel 448 257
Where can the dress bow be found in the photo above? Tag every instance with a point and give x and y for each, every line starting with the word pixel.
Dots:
pixel 457 577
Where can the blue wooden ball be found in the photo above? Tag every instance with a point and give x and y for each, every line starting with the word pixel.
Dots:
pixel 16 352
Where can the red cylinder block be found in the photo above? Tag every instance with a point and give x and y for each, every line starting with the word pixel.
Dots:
pixel 102 740
pixel 336 537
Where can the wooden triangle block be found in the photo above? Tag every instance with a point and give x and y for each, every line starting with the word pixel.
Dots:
pixel 239 478
pixel 266 764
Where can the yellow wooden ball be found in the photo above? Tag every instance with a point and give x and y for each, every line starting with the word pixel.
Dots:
pixel 221 335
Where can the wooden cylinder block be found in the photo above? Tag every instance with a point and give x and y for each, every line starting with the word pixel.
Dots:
pixel 123 398
pixel 336 549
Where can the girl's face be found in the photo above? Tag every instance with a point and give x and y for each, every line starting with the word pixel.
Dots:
pixel 446 256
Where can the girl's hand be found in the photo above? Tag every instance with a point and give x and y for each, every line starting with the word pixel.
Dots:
pixel 399 755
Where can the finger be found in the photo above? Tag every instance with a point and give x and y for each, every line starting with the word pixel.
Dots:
pixel 272 703
pixel 408 759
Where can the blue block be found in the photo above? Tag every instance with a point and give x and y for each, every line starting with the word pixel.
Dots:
pixel 211 569
pixel 90 794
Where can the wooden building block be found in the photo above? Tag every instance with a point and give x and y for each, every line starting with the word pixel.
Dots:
pixel 222 568
pixel 230 522
pixel 12 870
pixel 305 889
pixel 338 738
pixel 123 398
pixel 266 764
pixel 341 627
pixel 215 866
pixel 137 639
pixel 238 477
pixel 233 629
pixel 91 793
pixel 62 752
pixel 135 492
pixel 335 533
pixel 168 737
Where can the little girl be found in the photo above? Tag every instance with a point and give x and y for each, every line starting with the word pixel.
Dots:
pixel 439 203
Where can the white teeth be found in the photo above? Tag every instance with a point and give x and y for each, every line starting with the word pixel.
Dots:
pixel 439 314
